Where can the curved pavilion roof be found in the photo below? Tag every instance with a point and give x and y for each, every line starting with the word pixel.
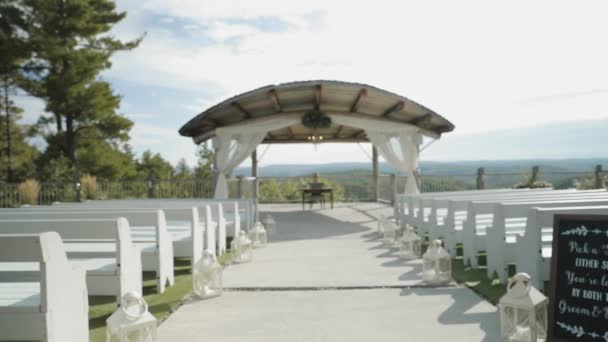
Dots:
pixel 296 98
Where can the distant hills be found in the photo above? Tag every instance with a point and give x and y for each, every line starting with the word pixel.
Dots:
pixel 433 167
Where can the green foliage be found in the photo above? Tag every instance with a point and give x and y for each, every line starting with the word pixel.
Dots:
pixel 204 166
pixel 72 46
pixel 182 170
pixel 105 161
pixel 270 191
pixel 273 190
pixel 16 155
pixel 153 165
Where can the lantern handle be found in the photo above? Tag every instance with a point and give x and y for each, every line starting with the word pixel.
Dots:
pixel 143 308
pixel 520 278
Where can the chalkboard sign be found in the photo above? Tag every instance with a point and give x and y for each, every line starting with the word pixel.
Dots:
pixel 578 298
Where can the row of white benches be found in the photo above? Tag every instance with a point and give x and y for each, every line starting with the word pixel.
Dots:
pixel 107 243
pixel 511 226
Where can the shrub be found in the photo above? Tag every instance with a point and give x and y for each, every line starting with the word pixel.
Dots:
pixel 88 185
pixel 28 191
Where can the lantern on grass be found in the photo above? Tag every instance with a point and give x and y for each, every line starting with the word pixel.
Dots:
pixel 436 265
pixel 523 312
pixel 410 244
pixel 258 235
pixel 270 224
pixel 131 322
pixel 207 276
pixel 242 248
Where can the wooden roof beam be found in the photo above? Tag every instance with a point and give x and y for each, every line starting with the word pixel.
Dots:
pixel 274 96
pixel 318 92
pixel 358 134
pixel 246 113
pixel 337 134
pixel 421 119
pixel 355 105
pixel 395 108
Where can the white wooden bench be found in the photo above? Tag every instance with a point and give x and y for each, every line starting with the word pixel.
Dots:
pixel 447 212
pixel 218 214
pixel 49 304
pixel 111 260
pixel 450 226
pixel 431 210
pixel 410 206
pixel 148 231
pixel 509 227
pixel 480 219
pixel 533 249
pixel 246 208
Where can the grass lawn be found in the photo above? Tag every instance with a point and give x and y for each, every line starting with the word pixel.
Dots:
pixel 160 305
pixel 475 278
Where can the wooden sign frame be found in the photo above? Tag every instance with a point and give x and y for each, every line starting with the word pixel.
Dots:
pixel 558 218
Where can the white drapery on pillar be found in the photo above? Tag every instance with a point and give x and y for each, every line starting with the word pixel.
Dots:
pixel 401 151
pixel 397 144
pixel 233 144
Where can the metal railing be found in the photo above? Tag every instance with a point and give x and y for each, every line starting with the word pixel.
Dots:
pixel 357 186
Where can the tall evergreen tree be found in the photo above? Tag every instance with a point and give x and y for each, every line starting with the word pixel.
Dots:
pixel 73 45
pixel 15 50
pixel 182 170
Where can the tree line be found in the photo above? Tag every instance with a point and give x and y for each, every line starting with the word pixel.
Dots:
pixel 56 50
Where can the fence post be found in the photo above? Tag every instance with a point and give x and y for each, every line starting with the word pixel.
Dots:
pixel 393 187
pixel 375 175
pixel 481 183
pixel 239 191
pixel 598 177
pixel 77 187
pixel 534 176
pixel 150 184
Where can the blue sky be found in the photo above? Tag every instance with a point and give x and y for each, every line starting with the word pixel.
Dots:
pixel 483 65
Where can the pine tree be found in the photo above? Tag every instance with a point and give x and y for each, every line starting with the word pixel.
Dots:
pixel 204 168
pixel 182 170
pixel 153 165
pixel 72 44
pixel 15 50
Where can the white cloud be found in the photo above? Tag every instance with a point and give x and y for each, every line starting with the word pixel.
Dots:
pixel 163 140
pixel 222 31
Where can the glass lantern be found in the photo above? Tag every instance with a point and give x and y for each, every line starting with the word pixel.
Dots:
pixel 523 312
pixel 258 235
pixel 436 265
pixel 270 224
pixel 381 221
pixel 207 276
pixel 132 322
pixel 242 248
pixel 410 244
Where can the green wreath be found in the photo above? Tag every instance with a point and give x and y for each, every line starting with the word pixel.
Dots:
pixel 316 119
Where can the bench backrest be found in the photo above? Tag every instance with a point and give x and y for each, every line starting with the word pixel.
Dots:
pixel 423 208
pixel 47 250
